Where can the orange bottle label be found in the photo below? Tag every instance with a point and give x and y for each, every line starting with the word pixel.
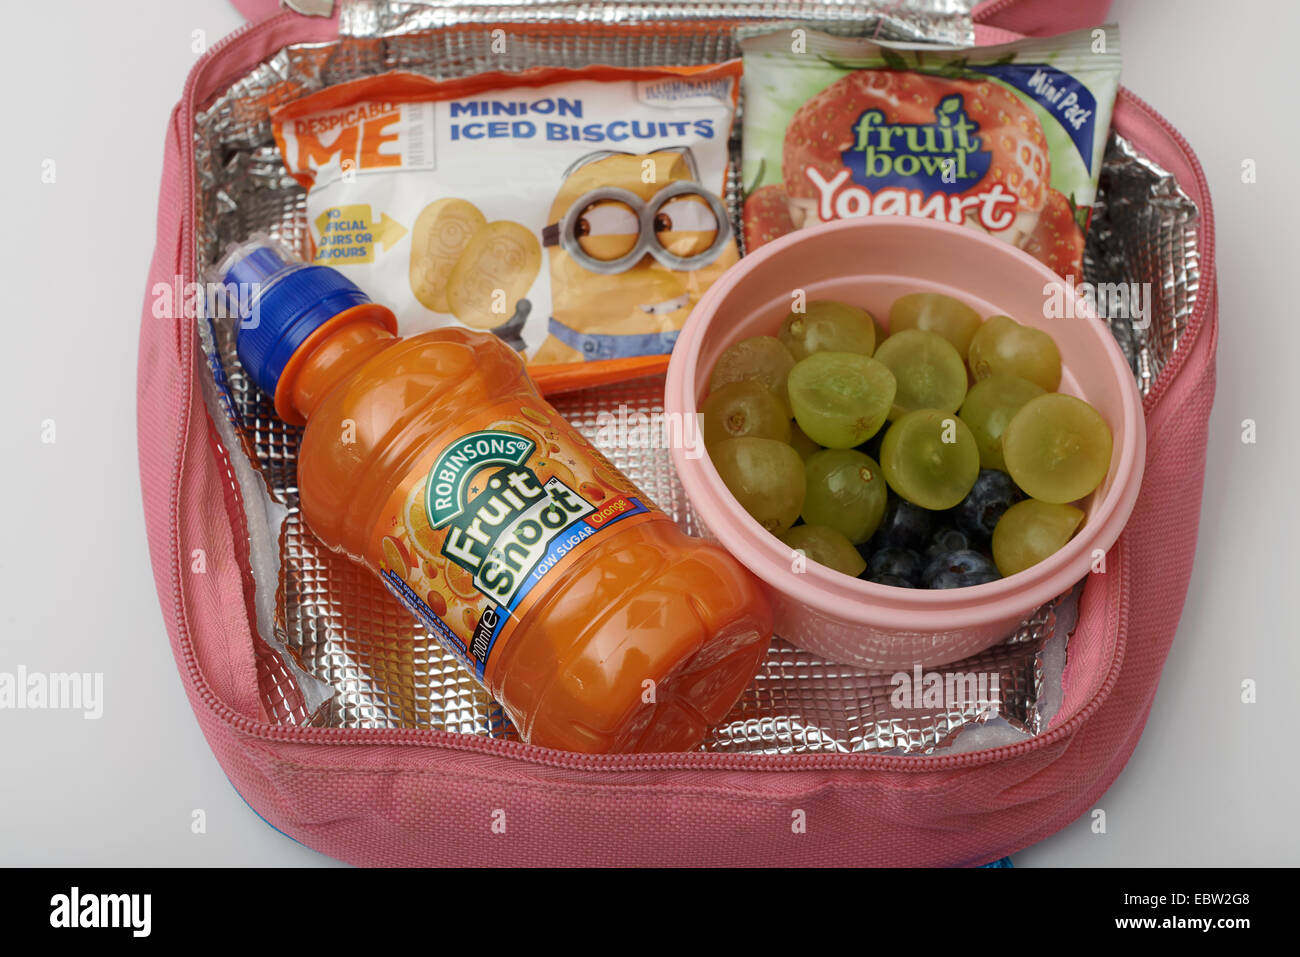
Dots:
pixel 478 531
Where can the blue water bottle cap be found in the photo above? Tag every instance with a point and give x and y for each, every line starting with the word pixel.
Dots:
pixel 279 301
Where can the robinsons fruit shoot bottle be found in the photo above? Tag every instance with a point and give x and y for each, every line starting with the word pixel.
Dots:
pixel 583 609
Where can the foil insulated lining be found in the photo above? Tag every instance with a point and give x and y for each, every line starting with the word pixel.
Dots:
pixel 927 21
pixel 334 624
pixel 1142 251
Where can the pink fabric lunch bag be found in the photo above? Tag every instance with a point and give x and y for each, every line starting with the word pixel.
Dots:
pixel 421 797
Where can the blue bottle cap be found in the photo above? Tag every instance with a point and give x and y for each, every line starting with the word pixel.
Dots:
pixel 279 301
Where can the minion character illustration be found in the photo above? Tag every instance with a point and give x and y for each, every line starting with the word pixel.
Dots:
pixel 634 240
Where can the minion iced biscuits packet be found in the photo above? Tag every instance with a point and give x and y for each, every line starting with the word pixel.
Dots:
pixel 575 214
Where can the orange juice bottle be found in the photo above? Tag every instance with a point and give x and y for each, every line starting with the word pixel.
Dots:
pixel 583 609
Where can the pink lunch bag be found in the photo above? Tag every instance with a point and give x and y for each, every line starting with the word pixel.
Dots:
pixel 411 797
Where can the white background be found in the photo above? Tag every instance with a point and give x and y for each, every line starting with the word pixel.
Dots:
pixel 90 85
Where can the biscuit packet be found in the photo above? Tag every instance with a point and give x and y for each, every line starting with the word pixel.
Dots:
pixel 1008 139
pixel 576 214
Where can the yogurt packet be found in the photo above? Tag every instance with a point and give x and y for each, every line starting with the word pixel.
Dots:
pixel 1008 139
pixel 575 214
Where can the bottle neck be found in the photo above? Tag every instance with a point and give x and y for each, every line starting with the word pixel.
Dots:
pixel 328 356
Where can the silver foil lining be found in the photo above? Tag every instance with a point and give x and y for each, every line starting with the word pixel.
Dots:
pixel 1142 241
pixel 335 625
pixel 929 21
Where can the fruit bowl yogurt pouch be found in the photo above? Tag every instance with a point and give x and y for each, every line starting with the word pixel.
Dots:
pixel 1008 138
pixel 575 214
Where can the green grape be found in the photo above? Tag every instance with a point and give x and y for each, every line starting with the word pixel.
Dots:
pixel 1005 347
pixel 765 476
pixel 1031 530
pixel 845 491
pixel 929 371
pixel 759 357
pixel 825 546
pixel 828 326
pixel 1057 448
pixel 744 408
pixel 801 443
pixel 935 312
pixel 930 458
pixel 989 406
pixel 840 399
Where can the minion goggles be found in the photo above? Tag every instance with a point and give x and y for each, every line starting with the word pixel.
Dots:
pixel 566 232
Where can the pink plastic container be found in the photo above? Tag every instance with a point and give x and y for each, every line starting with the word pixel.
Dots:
pixel 870 262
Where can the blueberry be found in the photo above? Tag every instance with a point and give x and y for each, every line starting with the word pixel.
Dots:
pixel 961 579
pixel 872 445
pixel 896 563
pixel 895 580
pixel 991 495
pixel 944 540
pixel 904 525
pixel 959 568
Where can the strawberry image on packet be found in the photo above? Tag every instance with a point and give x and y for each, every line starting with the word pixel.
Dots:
pixel 1007 139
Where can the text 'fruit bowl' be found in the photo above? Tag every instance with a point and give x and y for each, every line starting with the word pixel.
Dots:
pixel 872 263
